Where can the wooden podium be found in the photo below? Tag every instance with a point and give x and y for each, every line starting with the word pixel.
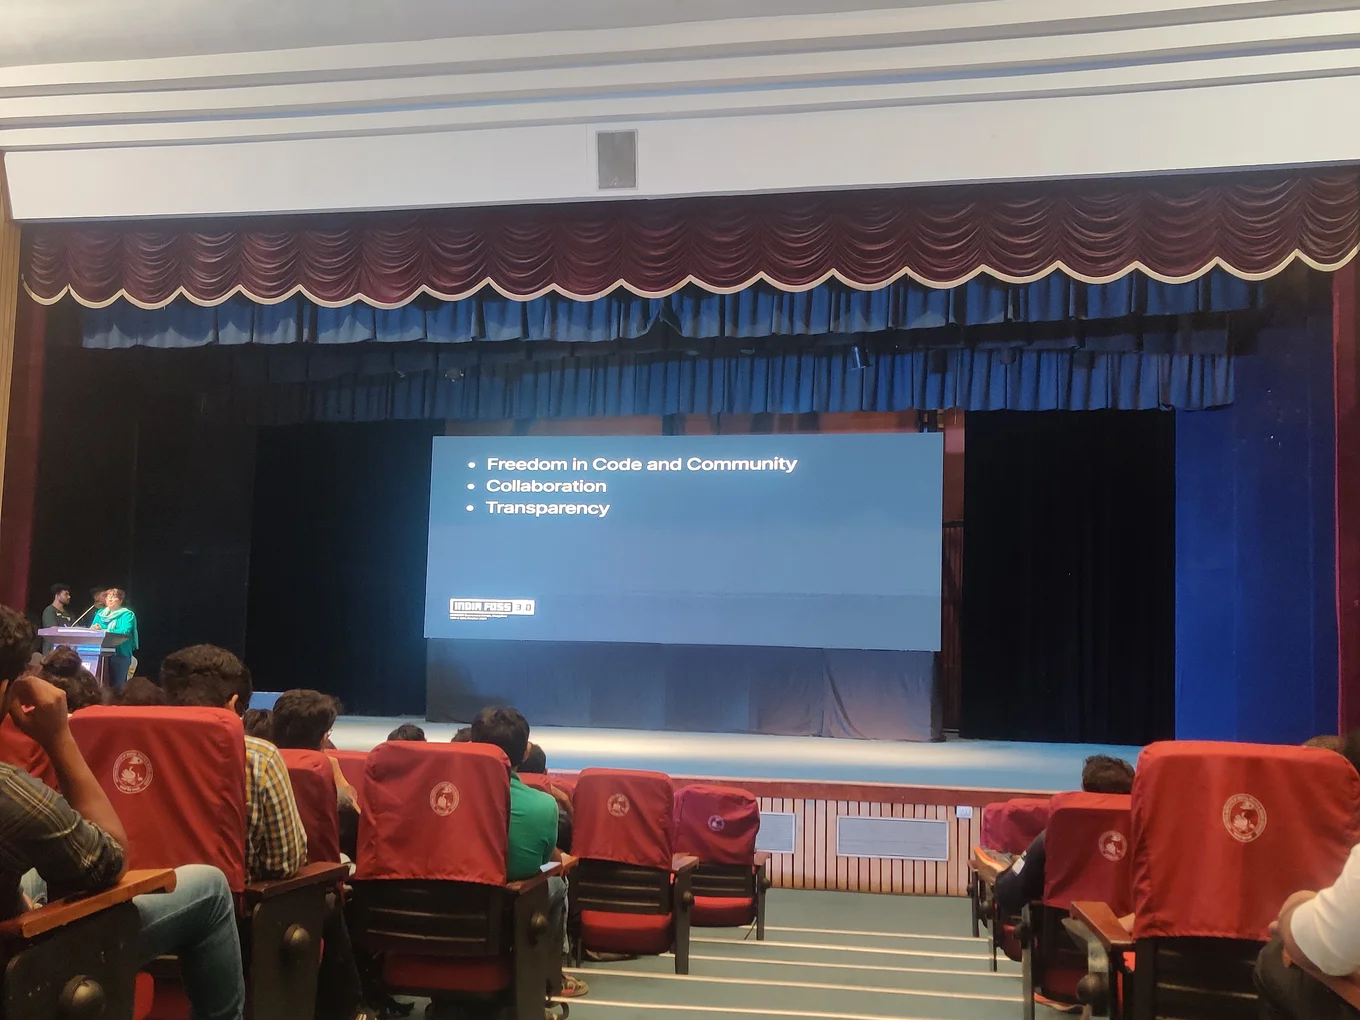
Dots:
pixel 94 646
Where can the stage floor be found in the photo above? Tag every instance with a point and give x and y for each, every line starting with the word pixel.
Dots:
pixel 953 764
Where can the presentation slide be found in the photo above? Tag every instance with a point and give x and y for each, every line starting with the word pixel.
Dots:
pixel 797 541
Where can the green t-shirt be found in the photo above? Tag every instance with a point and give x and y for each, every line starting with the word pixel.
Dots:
pixel 533 830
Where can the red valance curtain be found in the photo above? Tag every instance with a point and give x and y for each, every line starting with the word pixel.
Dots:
pixel 1173 228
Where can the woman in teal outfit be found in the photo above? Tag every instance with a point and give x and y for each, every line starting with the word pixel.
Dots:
pixel 116 618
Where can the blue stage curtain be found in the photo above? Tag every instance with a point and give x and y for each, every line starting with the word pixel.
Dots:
pixel 757 312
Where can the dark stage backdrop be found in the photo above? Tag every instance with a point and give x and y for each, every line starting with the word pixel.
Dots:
pixel 337 564
pixel 1069 577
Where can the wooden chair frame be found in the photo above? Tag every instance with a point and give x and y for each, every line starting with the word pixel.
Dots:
pixel 616 888
pixel 466 921
pixel 75 957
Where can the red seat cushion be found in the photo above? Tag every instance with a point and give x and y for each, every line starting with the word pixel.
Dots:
pixel 643 934
pixel 722 911
pixel 442 973
pixel 144 998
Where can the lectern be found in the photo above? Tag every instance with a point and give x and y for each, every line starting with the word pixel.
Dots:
pixel 94 646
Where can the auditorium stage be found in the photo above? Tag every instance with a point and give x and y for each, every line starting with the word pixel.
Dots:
pixel 850 815
pixel 954 764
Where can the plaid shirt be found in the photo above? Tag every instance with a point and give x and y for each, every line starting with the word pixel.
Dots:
pixel 39 829
pixel 276 844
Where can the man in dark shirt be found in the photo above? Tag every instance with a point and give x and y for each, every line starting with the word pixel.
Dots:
pixel 72 842
pixel 57 615
pixel 1023 881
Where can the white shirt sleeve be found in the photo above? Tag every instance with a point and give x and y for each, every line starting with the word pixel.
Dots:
pixel 1327 927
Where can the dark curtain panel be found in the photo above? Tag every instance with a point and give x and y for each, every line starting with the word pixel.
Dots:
pixel 337 563
pixel 1069 580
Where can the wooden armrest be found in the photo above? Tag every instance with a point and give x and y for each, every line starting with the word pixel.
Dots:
pixel 310 874
pixel 1104 925
pixel 987 864
pixel 567 864
pixel 522 886
pixel 683 862
pixel 1347 987
pixel 64 911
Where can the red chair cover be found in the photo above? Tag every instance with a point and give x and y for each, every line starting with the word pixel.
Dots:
pixel 537 781
pixel 177 779
pixel 435 812
pixel 352 768
pixel 567 784
pixel 313 781
pixel 23 752
pixel 1223 833
pixel 717 824
pixel 624 817
pixel 1010 826
pixel 1086 851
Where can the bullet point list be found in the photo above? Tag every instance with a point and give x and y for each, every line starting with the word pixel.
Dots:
pixel 472 463
pixel 468 507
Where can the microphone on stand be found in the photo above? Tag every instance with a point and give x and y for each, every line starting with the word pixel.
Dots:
pixel 77 620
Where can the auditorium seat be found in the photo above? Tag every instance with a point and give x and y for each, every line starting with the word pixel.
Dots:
pixel 1086 857
pixel 630 892
pixel 717 825
pixel 1009 827
pixel 76 957
pixel 352 768
pixel 176 778
pixel 22 751
pixel 430 895
pixel 313 782
pixel 1222 834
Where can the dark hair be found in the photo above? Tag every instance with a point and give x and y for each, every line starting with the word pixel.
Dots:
pixel 1328 742
pixel 302 718
pixel 259 722
pixel 61 667
pixel 57 589
pixel 535 761
pixel 1350 748
pixel 1101 773
pixel 407 731
pixel 505 728
pixel 16 643
pixel 461 736
pixel 205 676
pixel 140 692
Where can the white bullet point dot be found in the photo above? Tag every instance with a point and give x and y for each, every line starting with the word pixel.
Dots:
pixel 468 507
pixel 471 486
pixel 472 463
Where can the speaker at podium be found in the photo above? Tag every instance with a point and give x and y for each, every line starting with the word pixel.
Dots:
pixel 94 646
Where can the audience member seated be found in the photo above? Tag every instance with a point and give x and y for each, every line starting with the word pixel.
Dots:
pixel 73 840
pixel 206 676
pixel 140 692
pixel 302 719
pixel 1319 930
pixel 1023 881
pixel 259 722
pixel 407 731
pixel 462 735
pixel 536 764
pixel 533 823
pixel 62 668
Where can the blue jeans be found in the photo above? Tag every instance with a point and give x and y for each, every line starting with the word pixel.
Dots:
pixel 197 923
pixel 557 908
